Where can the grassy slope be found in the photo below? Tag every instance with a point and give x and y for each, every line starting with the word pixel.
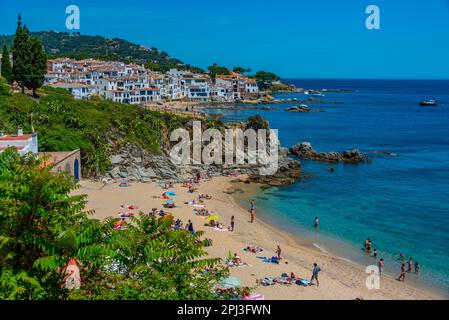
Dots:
pixel 95 127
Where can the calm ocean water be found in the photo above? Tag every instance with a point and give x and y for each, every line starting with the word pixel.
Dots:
pixel 401 203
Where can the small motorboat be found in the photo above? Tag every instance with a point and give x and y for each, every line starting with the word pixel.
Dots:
pixel 314 93
pixel 428 103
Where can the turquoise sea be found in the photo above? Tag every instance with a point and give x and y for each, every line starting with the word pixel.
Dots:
pixel 400 202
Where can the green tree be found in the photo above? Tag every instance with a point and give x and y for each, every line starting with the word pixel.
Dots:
pixel 265 79
pixel 241 70
pixel 6 70
pixel 37 62
pixel 215 70
pixel 4 89
pixel 38 233
pixel 20 54
pixel 43 227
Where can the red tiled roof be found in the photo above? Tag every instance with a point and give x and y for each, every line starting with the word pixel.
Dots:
pixel 16 138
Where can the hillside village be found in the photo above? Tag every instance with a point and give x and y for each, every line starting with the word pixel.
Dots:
pixel 134 84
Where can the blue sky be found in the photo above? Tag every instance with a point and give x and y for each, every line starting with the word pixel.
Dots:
pixel 294 38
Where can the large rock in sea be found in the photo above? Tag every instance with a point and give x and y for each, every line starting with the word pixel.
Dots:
pixel 305 151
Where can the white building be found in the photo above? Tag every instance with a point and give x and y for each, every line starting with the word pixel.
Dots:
pixel 78 90
pixel 24 143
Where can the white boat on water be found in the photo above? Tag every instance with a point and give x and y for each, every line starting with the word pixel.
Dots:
pixel 314 93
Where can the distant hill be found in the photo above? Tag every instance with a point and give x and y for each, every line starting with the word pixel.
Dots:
pixel 80 46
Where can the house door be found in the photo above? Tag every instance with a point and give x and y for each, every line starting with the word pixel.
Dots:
pixel 76 173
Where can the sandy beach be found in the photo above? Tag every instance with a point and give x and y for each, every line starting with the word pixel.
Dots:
pixel 339 279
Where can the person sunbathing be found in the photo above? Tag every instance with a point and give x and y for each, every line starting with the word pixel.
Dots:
pixel 253 249
pixel 236 260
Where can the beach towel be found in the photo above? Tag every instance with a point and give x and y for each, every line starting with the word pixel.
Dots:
pixel 222 230
pixel 255 297
pixel 267 281
pixel 265 259
pixel 170 193
pixel 258 250
pixel 301 282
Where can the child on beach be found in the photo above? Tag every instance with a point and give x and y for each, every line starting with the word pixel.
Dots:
pixel 315 271
pixel 416 267
pixel 381 265
pixel 402 276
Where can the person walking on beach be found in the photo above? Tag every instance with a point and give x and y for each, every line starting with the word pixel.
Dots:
pixel 190 227
pixel 232 223
pixel 252 215
pixel 278 252
pixel 380 264
pixel 402 276
pixel 316 222
pixel 315 271
pixel 410 265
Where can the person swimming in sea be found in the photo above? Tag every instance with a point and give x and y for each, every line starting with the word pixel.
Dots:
pixel 316 222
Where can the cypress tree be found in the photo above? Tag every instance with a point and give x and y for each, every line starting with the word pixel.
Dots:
pixel 6 70
pixel 20 55
pixel 34 79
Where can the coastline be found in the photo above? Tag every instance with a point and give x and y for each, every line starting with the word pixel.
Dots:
pixel 339 279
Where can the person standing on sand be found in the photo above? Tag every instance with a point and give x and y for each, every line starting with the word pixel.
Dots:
pixel 402 276
pixel 315 271
pixel 316 222
pixel 410 265
pixel 252 215
pixel 381 265
pixel 232 223
pixel 278 252
pixel 190 227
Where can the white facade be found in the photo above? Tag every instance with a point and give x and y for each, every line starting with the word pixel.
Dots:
pixel 24 143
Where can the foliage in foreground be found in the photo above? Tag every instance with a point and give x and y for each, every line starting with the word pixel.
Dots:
pixel 43 226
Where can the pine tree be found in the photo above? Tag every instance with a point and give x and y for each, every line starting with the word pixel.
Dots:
pixel 34 79
pixel 6 70
pixel 20 54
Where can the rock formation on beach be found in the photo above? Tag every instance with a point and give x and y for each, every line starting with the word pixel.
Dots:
pixel 132 162
pixel 305 151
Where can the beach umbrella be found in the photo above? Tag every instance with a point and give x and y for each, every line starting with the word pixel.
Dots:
pixel 230 282
pixel 213 218
pixel 169 201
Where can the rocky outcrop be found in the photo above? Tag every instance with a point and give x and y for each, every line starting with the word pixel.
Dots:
pixel 136 164
pixel 133 163
pixel 305 151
